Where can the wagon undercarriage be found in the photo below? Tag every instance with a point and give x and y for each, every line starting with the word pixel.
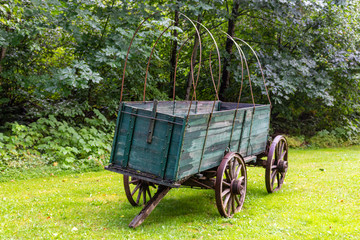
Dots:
pixel 229 180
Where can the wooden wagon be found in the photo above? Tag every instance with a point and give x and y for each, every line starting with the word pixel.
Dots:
pixel 201 144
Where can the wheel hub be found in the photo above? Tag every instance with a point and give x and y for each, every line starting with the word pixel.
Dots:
pixel 282 166
pixel 236 186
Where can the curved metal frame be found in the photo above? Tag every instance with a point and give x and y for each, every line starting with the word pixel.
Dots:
pixel 127 54
pixel 262 73
pixel 148 64
pixel 247 67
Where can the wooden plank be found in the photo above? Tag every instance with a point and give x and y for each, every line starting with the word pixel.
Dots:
pixel 116 134
pixel 180 147
pixel 181 107
pixel 166 149
pixel 149 157
pixel 150 206
pixel 129 138
pixel 195 143
pixel 152 124
pixel 195 120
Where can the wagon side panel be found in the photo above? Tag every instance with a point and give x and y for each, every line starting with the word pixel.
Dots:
pixel 203 145
pixel 255 131
pixel 132 150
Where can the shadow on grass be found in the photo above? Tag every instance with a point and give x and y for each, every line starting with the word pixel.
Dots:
pixel 180 206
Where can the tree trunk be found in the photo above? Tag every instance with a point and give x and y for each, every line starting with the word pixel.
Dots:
pixel 225 78
pixel 2 56
pixel 173 54
pixel 195 49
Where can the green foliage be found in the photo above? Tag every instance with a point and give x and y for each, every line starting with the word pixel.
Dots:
pixel 65 58
pixel 324 139
pixel 295 141
pixel 50 141
pixel 335 138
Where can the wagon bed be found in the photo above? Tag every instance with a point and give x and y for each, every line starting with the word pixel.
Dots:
pixel 157 142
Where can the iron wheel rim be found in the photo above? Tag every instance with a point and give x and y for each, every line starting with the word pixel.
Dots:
pixel 230 185
pixel 277 164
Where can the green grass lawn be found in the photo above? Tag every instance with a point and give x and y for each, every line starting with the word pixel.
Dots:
pixel 319 200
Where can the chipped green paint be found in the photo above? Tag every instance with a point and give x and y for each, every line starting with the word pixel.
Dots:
pixel 176 148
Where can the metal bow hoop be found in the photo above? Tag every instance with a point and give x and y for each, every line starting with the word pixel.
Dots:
pixel 247 68
pixel 194 83
pixel 127 54
pixel 148 64
pixel 218 53
pixel 262 73
pixel 191 65
pixel 219 61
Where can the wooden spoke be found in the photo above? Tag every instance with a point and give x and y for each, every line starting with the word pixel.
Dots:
pixel 226 199
pixel 134 181
pixel 238 171
pixel 227 175
pixel 273 174
pixel 237 200
pixel 233 209
pixel 230 184
pixel 138 197
pixel 226 191
pixel 136 190
pixel 226 184
pixel 282 155
pixel 148 191
pixel 276 164
pixel 144 195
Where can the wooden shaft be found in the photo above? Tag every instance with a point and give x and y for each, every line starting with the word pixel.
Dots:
pixel 150 206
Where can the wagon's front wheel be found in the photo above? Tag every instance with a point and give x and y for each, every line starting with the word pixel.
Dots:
pixel 276 164
pixel 138 191
pixel 230 184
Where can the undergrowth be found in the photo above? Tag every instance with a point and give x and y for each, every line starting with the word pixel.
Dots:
pixel 59 143
pixel 324 139
pixel 50 141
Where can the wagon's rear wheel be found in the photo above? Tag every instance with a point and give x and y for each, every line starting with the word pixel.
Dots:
pixel 138 191
pixel 276 164
pixel 230 185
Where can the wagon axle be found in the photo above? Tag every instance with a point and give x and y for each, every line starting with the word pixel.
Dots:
pixel 282 166
pixel 236 187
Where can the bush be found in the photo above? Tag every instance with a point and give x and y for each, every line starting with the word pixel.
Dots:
pixel 326 139
pixel 49 141
pixel 336 138
pixel 295 141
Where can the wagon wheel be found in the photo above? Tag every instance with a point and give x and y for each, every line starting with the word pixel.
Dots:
pixel 230 185
pixel 138 191
pixel 276 164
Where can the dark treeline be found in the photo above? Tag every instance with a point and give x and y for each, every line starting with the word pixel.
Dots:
pixel 65 58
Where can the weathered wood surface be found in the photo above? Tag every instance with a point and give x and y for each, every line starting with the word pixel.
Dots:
pixel 178 150
pixel 132 150
pixel 195 156
pixel 177 108
pixel 150 206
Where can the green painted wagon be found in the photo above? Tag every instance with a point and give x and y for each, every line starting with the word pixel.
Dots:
pixel 201 144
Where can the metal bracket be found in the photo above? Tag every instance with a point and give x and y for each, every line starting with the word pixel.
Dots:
pixel 227 150
pixel 152 123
